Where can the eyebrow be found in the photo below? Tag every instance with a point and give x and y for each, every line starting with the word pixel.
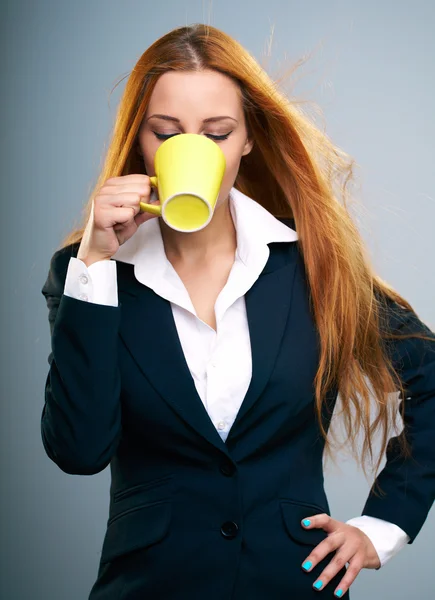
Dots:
pixel 209 120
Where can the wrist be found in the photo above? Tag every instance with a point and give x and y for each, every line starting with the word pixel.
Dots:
pixel 90 259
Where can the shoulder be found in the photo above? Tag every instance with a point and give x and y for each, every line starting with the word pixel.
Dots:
pixel 409 341
pixel 394 318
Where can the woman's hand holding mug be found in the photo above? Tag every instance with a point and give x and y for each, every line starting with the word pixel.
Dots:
pixel 115 216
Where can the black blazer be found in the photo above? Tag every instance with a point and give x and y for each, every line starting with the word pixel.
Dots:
pixel 191 516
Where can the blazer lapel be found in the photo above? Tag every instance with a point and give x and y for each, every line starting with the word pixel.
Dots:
pixel 149 331
pixel 268 306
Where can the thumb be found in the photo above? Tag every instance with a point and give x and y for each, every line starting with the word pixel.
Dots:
pixel 142 217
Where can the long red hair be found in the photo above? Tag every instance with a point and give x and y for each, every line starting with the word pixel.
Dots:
pixel 294 171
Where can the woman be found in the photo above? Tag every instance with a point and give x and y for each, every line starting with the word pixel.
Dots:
pixel 204 367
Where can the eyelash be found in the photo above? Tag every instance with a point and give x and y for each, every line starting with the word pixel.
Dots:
pixel 162 136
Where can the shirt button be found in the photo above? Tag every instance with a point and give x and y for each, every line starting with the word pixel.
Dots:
pixel 83 297
pixel 221 425
pixel 83 278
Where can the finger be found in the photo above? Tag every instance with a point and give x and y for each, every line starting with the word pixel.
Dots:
pixel 343 555
pixel 128 200
pixel 142 217
pixel 355 566
pixel 322 520
pixel 137 187
pixel 132 178
pixel 123 215
pixel 331 543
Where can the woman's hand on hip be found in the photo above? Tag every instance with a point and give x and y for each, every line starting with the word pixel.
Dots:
pixel 352 546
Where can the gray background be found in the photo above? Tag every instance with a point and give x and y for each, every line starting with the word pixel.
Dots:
pixel 372 72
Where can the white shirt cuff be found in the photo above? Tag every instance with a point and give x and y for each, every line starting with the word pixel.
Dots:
pixel 96 283
pixel 387 538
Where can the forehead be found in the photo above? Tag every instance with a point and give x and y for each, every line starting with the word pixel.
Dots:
pixel 200 92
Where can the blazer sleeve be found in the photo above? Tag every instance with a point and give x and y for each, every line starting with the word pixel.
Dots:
pixel 81 417
pixel 409 484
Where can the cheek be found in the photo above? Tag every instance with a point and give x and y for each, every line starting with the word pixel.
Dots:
pixel 148 145
pixel 148 159
pixel 232 157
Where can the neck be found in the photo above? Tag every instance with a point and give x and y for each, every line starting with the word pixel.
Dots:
pixel 217 239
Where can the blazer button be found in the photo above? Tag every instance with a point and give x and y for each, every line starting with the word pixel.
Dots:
pixel 229 529
pixel 227 469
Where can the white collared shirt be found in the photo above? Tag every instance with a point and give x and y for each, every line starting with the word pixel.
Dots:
pixel 219 361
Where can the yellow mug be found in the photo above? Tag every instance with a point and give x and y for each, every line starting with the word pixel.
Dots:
pixel 189 171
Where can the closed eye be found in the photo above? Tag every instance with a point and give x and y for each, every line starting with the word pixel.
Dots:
pixel 161 136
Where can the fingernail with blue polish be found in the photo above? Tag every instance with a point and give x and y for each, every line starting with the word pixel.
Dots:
pixel 318 585
pixel 339 593
pixel 306 522
pixel 307 565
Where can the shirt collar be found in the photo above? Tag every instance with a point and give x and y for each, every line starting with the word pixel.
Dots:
pixel 255 228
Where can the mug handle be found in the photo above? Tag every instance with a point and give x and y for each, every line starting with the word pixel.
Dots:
pixel 155 209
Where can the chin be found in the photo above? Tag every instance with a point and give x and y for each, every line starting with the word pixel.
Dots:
pixel 223 201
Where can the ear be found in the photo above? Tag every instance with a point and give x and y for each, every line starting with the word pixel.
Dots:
pixel 249 144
